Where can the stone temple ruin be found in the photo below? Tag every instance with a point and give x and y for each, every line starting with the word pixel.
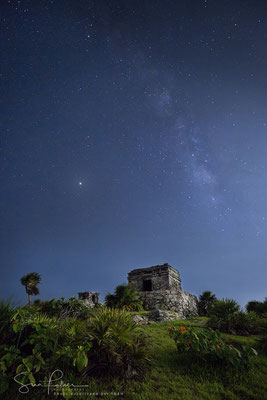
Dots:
pixel 160 290
pixel 90 299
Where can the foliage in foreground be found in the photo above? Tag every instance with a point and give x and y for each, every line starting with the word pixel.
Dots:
pixel 209 346
pixel 124 297
pixel 171 374
pixel 119 346
pixel 107 344
pixel 6 312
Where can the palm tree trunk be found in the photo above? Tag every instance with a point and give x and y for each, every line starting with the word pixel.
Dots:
pixel 29 300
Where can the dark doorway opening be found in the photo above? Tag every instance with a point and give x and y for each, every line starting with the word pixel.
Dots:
pixel 147 285
pixel 93 298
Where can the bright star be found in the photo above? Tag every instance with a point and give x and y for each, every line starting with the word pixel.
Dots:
pixel 80 183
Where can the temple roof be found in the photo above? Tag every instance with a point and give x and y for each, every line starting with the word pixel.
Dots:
pixel 153 268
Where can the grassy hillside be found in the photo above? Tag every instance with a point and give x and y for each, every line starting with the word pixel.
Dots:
pixel 170 375
pixel 177 377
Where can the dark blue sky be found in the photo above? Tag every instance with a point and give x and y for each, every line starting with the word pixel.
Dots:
pixel 133 134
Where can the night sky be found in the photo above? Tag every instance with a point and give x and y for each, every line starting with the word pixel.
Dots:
pixel 133 133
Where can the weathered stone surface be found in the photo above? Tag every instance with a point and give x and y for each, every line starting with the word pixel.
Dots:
pixel 160 289
pixel 141 319
pixel 163 316
pixel 161 277
pixel 90 299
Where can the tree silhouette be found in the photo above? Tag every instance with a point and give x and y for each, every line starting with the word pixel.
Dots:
pixel 206 301
pixel 30 282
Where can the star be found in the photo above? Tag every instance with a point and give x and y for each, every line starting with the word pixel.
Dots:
pixel 80 183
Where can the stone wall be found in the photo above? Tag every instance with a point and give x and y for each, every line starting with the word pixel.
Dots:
pixel 90 299
pixel 162 277
pixel 164 291
pixel 179 301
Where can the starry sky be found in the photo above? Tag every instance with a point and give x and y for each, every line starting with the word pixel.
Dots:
pixel 133 133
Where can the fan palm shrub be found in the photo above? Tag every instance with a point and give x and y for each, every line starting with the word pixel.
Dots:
pixel 119 346
pixel 124 297
pixel 227 317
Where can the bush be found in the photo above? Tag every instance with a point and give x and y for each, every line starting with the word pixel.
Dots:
pixel 6 312
pixel 208 345
pixel 63 308
pixel 227 317
pixel 262 340
pixel 224 308
pixel 33 351
pixel 259 307
pixel 119 346
pixel 108 343
pixel 222 313
pixel 239 323
pixel 125 297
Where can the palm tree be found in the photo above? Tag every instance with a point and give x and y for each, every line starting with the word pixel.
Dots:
pixel 30 281
pixel 205 302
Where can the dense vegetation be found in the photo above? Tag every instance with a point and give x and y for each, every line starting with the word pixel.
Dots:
pixel 125 297
pixel 106 344
pixel 219 356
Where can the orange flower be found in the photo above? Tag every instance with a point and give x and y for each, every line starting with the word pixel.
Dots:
pixel 170 328
pixel 38 336
pixel 218 347
pixel 182 329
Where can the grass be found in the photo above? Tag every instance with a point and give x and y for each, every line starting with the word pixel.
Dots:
pixel 173 376
pixel 176 377
pixel 143 312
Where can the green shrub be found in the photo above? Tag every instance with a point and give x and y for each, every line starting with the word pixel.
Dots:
pixel 227 317
pixel 239 323
pixel 6 312
pixel 259 307
pixel 63 308
pixel 262 339
pixel 223 314
pixel 108 343
pixel 43 344
pixel 224 307
pixel 208 345
pixel 119 347
pixel 125 297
